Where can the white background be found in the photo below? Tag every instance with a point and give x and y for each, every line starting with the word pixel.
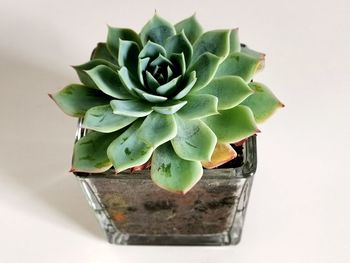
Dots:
pixel 299 207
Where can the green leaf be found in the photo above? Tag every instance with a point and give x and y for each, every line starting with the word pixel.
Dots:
pixel 256 54
pixel 108 81
pixel 235 45
pixel 128 150
pixel 169 72
pixel 160 60
pixel 205 68
pixel 102 119
pixel 142 65
pixel 157 129
pixel 199 106
pixel 179 44
pixel 179 62
pixel 152 50
pixel 90 152
pixel 216 42
pixel 168 88
pixel 150 97
pixel 263 102
pixel 194 140
pixel 130 82
pixel 230 91
pixel 76 99
pixel 84 77
pixel 132 108
pixel 128 55
pixel 232 125
pixel 169 107
pixel 172 173
pixel 191 27
pixel 151 82
pixel 239 64
pixel 187 84
pixel 253 53
pixel 113 36
pixel 134 87
pixel 157 30
pixel 101 52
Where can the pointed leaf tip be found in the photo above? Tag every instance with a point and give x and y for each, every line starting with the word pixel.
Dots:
pixel 191 27
pixel 157 30
pixel 262 102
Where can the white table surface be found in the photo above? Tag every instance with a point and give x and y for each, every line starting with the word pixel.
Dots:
pixel 299 207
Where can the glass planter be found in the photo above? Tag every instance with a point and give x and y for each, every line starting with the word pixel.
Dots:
pixel 132 210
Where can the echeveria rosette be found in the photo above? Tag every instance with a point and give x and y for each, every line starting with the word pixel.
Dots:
pixel 171 96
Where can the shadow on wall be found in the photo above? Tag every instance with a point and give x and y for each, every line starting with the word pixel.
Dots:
pixel 36 145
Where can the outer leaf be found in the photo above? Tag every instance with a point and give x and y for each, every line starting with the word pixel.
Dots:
pixel 194 140
pixel 216 42
pixel 199 106
pixel 102 119
pixel 188 85
pixel 235 45
pixel 113 36
pixel 76 99
pixel 170 107
pixel 230 91
pixel 132 108
pixel 84 77
pixel 239 64
pixel 172 173
pixel 232 125
pixel 157 30
pixel 222 154
pixel 191 27
pixel 101 52
pixel 157 129
pixel 128 55
pixel 128 150
pixel 179 44
pixel 108 81
pixel 205 68
pixel 90 152
pixel 263 102
pixel 256 54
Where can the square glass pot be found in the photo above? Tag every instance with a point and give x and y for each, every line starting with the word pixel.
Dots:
pixel 132 210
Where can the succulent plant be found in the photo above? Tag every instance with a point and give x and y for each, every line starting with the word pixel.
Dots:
pixel 171 97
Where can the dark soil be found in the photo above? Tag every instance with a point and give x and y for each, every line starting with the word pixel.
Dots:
pixel 137 206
